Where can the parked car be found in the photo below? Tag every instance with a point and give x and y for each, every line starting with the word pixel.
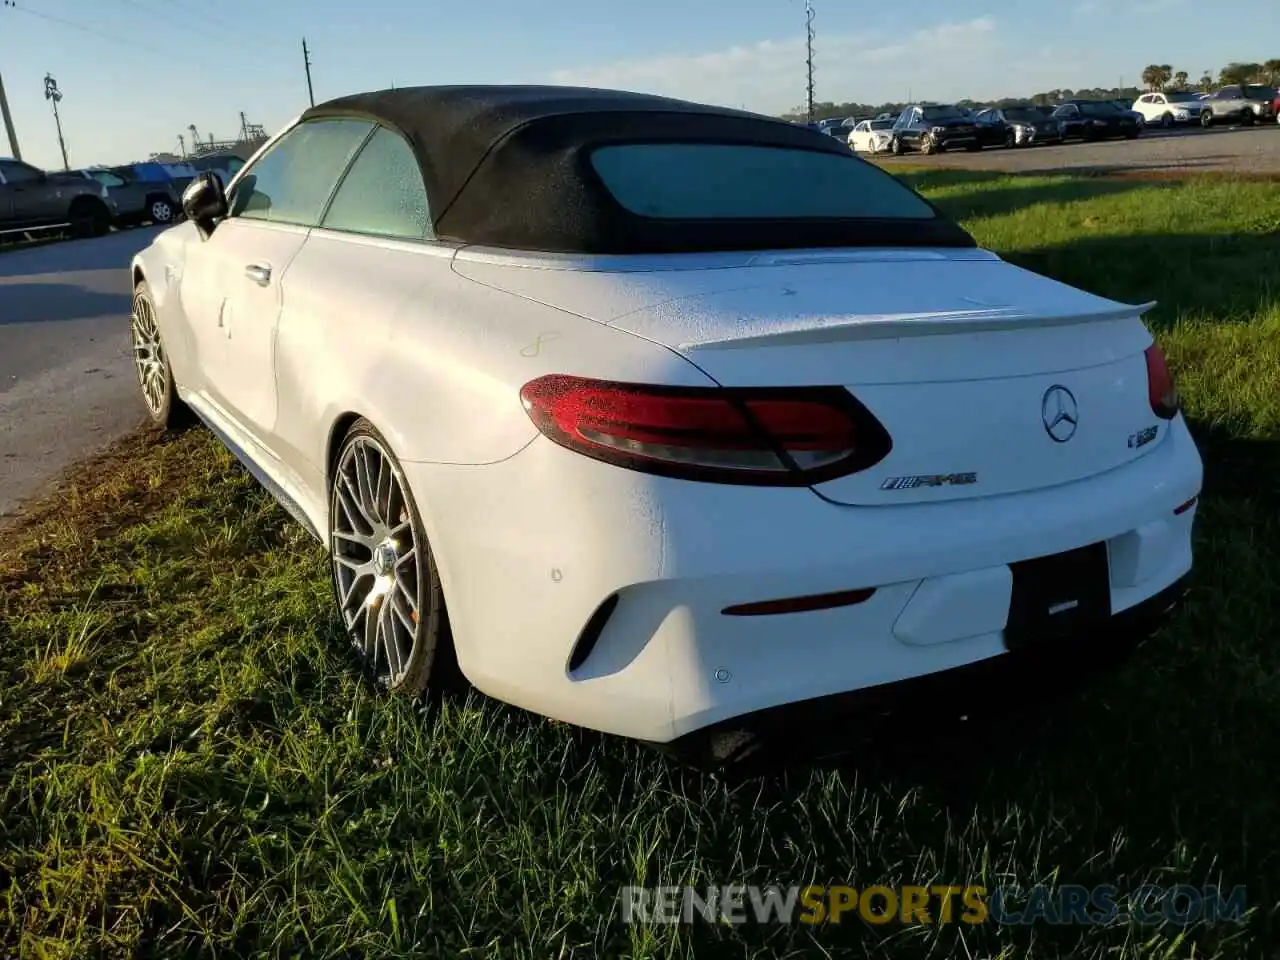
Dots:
pixel 658 502
pixel 31 199
pixel 1246 105
pixel 1172 107
pixel 871 136
pixel 992 130
pixel 1024 126
pixel 132 201
pixel 933 128
pixel 1124 106
pixel 223 165
pixel 1095 120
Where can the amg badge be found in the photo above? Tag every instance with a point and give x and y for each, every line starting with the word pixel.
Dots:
pixel 930 480
pixel 1142 437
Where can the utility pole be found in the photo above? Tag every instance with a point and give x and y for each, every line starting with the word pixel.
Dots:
pixel 8 123
pixel 306 63
pixel 182 147
pixel 808 16
pixel 54 96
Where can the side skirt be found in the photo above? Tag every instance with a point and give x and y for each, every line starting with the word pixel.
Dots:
pixel 290 505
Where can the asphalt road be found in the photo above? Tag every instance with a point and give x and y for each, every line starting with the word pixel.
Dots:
pixel 1247 150
pixel 67 384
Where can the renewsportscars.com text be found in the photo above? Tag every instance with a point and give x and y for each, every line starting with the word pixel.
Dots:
pixel 1065 904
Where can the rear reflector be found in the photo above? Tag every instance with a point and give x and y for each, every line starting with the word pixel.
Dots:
pixel 817 601
pixel 772 436
pixel 1179 511
pixel 1165 402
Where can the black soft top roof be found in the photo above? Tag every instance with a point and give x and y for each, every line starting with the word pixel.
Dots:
pixel 507 166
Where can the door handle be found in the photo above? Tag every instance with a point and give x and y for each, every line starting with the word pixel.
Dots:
pixel 259 273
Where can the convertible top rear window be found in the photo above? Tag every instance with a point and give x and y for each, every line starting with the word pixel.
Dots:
pixel 725 181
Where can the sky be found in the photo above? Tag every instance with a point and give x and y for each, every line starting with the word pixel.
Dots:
pixel 137 73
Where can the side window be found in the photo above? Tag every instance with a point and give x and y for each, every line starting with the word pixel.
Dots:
pixel 108 179
pixel 292 181
pixel 382 194
pixel 15 172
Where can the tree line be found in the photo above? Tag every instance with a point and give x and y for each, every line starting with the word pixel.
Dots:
pixel 1156 77
pixel 1162 76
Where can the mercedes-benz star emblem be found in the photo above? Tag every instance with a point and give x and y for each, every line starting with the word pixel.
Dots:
pixel 1059 412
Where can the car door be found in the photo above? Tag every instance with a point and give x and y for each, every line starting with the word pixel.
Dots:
pixel 36 199
pixel 235 281
pixel 7 217
pixel 373 250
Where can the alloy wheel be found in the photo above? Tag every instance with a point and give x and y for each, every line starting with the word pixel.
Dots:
pixel 148 355
pixel 376 558
pixel 161 212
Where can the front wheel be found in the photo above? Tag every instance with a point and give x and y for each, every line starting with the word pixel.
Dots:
pixel 384 575
pixel 1247 118
pixel 896 148
pixel 151 363
pixel 1167 121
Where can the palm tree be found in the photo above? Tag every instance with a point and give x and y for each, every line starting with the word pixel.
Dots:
pixel 1206 83
pixel 1155 76
pixel 1180 80
pixel 1272 70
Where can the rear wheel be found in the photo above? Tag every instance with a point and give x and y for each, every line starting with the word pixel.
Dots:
pixel 384 574
pixel 1206 118
pixel 89 217
pixel 1247 118
pixel 1010 139
pixel 160 209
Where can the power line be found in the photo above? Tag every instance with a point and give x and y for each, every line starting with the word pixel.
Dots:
pixel 12 5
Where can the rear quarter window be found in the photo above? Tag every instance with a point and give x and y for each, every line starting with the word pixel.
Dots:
pixel 712 181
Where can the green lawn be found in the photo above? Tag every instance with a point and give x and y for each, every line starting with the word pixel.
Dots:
pixel 191 766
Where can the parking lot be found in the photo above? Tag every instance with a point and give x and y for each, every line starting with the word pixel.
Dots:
pixel 1241 150
pixel 66 380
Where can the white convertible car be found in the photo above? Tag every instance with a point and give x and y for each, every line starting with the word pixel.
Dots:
pixel 650 416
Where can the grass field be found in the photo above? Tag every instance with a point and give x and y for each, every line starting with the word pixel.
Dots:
pixel 191 766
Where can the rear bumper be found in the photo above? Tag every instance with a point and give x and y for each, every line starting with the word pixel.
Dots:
pixel 550 539
pixel 989 690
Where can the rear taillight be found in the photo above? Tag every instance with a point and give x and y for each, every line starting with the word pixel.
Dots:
pixel 772 436
pixel 1165 402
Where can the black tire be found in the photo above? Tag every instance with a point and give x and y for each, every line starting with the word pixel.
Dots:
pixel 89 217
pixel 1166 121
pixel 1010 139
pixel 896 148
pixel 431 663
pixel 160 209
pixel 1206 119
pixel 165 410
pixel 1247 118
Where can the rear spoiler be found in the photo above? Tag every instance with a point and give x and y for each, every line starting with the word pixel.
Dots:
pixel 839 330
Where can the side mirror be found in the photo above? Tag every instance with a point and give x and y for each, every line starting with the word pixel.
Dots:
pixel 204 202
